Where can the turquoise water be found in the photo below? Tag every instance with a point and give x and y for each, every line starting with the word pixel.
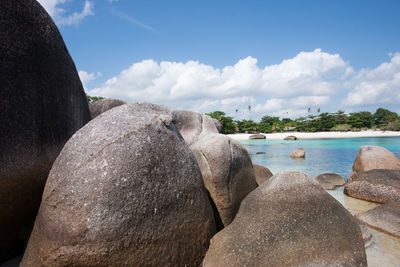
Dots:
pixel 322 155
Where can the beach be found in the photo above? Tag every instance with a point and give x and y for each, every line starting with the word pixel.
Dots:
pixel 319 135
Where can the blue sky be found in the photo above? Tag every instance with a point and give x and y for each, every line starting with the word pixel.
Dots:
pixel 279 57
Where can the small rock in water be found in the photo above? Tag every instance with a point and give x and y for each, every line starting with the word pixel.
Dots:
pixel 330 181
pixel 260 152
pixel 298 153
pixel 290 137
pixel 257 136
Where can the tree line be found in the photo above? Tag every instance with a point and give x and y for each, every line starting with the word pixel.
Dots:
pixel 382 119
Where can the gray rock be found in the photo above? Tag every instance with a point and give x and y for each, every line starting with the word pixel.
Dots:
pixel 374 157
pixel 385 218
pixel 290 137
pixel 260 152
pixel 330 181
pixel 42 104
pixel 262 173
pixel 103 105
pixel 125 191
pixel 193 125
pixel 257 136
pixel 367 236
pixel 290 220
pixel 298 153
pixel 375 185
pixel 218 125
pixel 227 172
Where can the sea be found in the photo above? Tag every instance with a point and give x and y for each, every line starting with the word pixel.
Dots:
pixel 322 155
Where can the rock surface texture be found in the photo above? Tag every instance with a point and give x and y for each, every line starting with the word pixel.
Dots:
pixel 103 105
pixel 330 181
pixel 125 191
pixel 385 218
pixel 375 157
pixel 378 185
pixel 262 173
pixel 286 222
pixel 42 104
pixel 227 172
pixel 298 153
pixel 257 136
pixel 193 125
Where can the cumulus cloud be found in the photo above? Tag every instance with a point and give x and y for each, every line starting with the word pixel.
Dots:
pixel 377 86
pixel 308 80
pixel 59 14
pixel 87 77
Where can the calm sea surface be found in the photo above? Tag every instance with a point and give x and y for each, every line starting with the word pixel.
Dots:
pixel 322 155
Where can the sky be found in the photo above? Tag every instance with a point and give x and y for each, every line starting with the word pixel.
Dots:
pixel 247 58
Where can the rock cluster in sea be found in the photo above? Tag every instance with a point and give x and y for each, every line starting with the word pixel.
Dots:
pixel 143 185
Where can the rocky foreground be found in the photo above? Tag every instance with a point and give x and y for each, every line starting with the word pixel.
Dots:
pixel 143 185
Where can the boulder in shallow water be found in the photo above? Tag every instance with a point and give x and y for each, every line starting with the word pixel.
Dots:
pixel 385 218
pixel 103 105
pixel 290 220
pixel 42 104
pixel 375 185
pixel 290 138
pixel 262 173
pixel 193 125
pixel 298 153
pixel 257 136
pixel 125 191
pixel 227 172
pixel 330 181
pixel 375 157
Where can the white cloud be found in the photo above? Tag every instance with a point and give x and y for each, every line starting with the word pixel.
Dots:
pixel 311 79
pixel 59 14
pixel 378 86
pixel 87 77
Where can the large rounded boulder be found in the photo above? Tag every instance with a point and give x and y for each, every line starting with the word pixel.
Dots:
pixel 378 185
pixel 104 105
pixel 261 173
pixel 290 220
pixel 375 157
pixel 227 172
pixel 125 191
pixel 193 125
pixel 42 104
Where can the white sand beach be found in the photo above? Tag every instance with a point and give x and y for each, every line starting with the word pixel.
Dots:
pixel 319 135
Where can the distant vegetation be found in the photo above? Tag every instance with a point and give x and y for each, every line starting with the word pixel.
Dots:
pixel 382 119
pixel 92 99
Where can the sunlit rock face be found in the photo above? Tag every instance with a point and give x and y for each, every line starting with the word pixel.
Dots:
pixel 42 105
pixel 290 220
pixel 125 191
pixel 104 105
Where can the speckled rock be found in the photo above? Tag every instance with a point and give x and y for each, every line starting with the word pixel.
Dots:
pixel 193 125
pixel 298 153
pixel 103 105
pixel 125 191
pixel 227 172
pixel 262 173
pixel 42 104
pixel 377 185
pixel 375 157
pixel 290 220
pixel 330 181
pixel 385 218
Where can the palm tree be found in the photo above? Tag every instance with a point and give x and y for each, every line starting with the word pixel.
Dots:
pixel 309 110
pixel 319 110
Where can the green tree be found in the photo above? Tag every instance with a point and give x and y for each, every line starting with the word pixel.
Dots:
pixel 92 99
pixel 383 116
pixel 228 126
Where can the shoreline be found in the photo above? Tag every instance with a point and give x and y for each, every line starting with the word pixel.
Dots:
pixel 318 135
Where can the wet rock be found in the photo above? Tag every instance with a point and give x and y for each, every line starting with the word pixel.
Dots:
pixel 257 136
pixel 227 172
pixel 125 191
pixel 262 173
pixel 193 125
pixel 377 185
pixel 103 105
pixel 42 104
pixel 385 218
pixel 375 157
pixel 298 153
pixel 286 222
pixel 330 181
pixel 290 137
